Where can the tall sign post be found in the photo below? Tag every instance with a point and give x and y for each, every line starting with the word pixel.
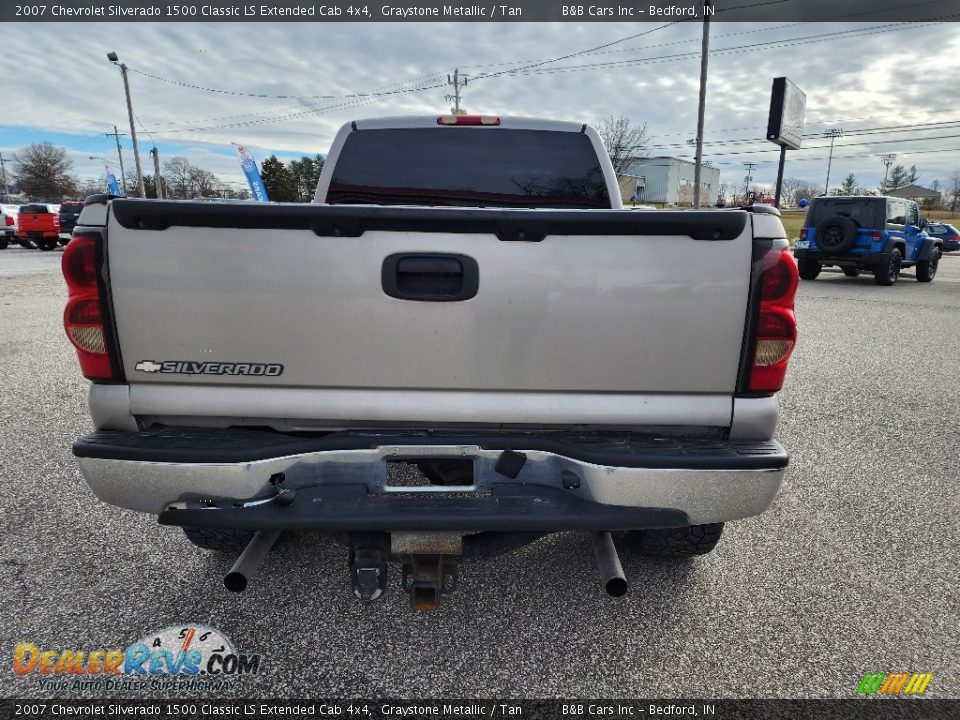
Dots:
pixel 788 104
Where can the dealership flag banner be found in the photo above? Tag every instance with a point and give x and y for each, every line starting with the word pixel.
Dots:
pixel 112 185
pixel 249 165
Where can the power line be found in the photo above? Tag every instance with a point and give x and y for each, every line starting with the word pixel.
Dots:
pixel 772 44
pixel 890 129
pixel 824 147
pixel 221 91
pixel 293 116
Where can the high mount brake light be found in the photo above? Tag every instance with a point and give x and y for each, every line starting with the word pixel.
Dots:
pixel 776 326
pixel 83 316
pixel 468 120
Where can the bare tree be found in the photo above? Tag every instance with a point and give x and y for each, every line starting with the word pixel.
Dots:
pixel 794 189
pixel 176 177
pixel 951 193
pixel 202 182
pixel 626 141
pixel 42 171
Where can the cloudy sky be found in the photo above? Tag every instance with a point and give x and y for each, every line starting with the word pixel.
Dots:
pixel 890 87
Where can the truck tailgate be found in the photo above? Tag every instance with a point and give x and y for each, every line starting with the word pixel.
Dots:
pixel 574 301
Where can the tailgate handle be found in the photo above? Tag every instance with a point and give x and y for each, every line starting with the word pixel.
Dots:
pixel 431 277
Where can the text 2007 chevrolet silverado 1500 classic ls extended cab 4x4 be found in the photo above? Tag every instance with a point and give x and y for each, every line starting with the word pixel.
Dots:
pixel 465 295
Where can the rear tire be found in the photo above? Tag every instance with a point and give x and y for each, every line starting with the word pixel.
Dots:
pixel 808 269
pixel 218 539
pixel 888 273
pixel 927 269
pixel 46 245
pixel 673 542
pixel 4 243
pixel 851 272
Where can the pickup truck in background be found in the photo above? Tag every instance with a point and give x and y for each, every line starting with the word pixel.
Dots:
pixel 68 214
pixel 38 223
pixel 464 344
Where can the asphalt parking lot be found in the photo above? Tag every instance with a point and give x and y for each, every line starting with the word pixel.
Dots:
pixel 855 569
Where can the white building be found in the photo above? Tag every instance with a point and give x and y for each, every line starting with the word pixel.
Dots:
pixel 668 180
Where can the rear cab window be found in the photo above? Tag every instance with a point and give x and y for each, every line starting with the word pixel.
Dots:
pixel 469 167
pixel 72 207
pixel 34 210
pixel 866 212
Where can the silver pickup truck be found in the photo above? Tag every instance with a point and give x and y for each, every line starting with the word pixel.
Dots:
pixel 464 344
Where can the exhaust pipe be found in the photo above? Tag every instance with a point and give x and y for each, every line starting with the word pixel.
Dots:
pixel 614 581
pixel 250 560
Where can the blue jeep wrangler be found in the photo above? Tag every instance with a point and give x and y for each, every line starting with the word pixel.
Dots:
pixel 879 234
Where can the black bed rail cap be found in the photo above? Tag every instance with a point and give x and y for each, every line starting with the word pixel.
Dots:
pixel 520 224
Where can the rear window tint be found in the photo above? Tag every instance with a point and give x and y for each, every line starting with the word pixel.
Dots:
pixel 28 209
pixel 71 207
pixel 460 166
pixel 866 212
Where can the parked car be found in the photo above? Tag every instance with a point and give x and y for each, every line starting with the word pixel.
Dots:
pixel 948 233
pixel 38 223
pixel 8 230
pixel 882 235
pixel 69 212
pixel 548 360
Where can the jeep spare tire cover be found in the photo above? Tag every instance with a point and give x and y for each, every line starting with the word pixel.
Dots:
pixel 836 234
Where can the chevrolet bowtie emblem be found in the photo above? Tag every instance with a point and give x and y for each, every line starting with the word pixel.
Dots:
pixel 148 366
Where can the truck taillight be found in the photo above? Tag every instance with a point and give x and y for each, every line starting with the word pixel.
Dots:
pixel 803 233
pixel 83 318
pixel 468 120
pixel 776 326
pixel 9 220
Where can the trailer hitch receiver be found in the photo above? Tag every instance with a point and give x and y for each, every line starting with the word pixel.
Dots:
pixel 430 562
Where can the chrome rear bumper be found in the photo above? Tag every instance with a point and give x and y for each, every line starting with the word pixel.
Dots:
pixel 743 482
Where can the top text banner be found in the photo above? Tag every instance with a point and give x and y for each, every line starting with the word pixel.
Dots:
pixel 619 11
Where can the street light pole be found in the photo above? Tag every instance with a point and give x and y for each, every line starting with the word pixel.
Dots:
pixel 833 134
pixel 112 57
pixel 705 47
pixel 123 175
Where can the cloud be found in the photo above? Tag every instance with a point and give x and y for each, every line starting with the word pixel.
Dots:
pixel 853 81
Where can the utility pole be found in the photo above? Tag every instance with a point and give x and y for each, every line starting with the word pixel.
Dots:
pixel 704 51
pixel 6 187
pixel 112 57
pixel 887 162
pixel 749 166
pixel 158 183
pixel 833 134
pixel 116 135
pixel 457 84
